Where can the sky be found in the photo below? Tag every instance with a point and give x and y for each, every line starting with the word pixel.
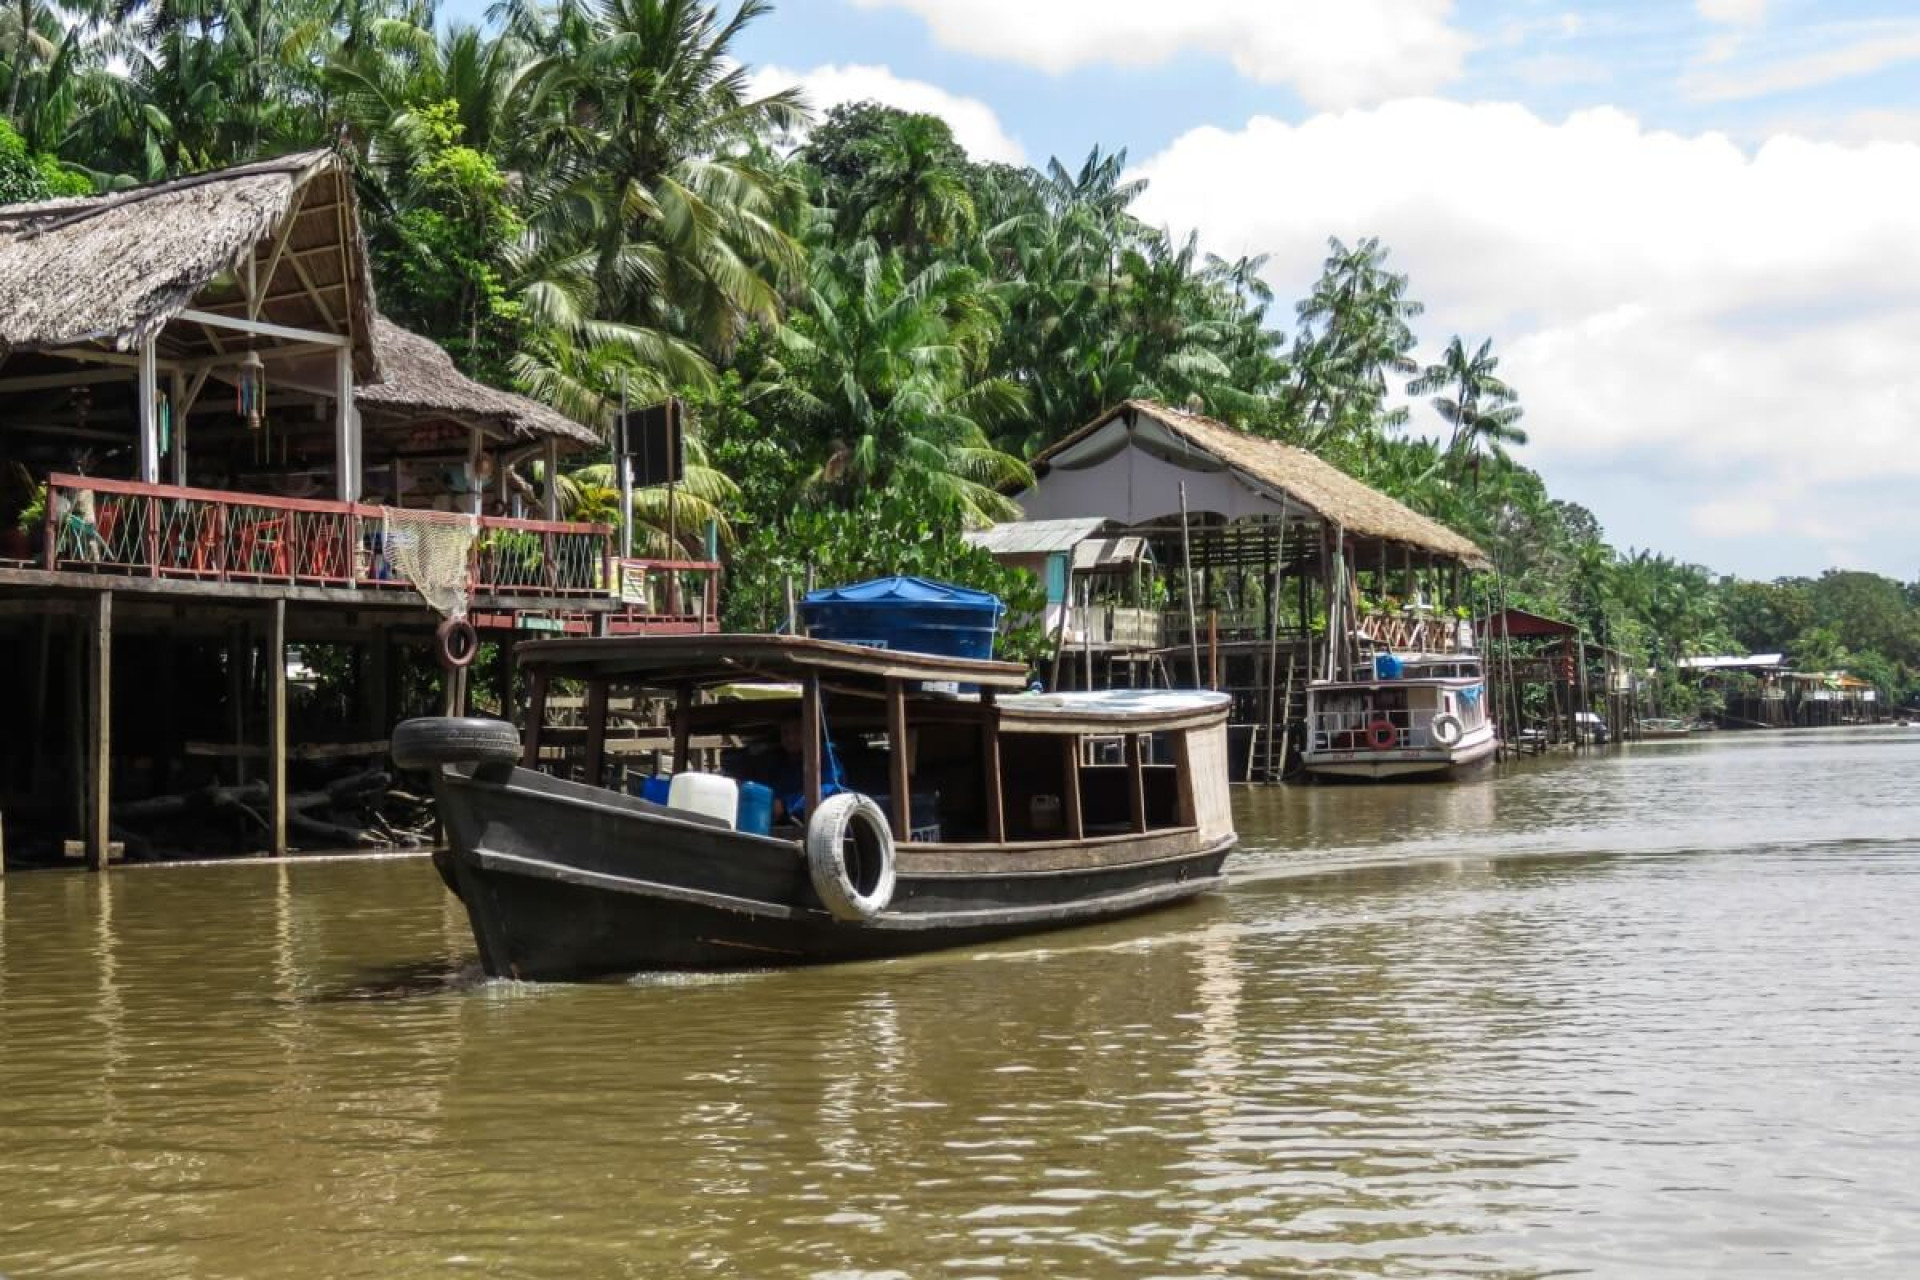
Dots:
pixel 1690 227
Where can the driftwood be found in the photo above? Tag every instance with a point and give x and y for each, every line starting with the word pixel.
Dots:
pixel 332 815
pixel 354 788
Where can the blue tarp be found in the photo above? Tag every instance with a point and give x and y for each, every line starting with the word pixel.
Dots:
pixel 906 590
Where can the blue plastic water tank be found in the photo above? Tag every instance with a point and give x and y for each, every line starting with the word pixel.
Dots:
pixel 655 788
pixel 1387 667
pixel 755 814
pixel 913 615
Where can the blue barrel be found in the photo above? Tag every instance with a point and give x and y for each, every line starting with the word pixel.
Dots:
pixel 913 615
pixel 655 788
pixel 755 813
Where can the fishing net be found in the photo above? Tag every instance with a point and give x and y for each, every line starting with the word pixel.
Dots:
pixel 434 551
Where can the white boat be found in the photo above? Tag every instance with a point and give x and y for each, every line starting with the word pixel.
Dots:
pixel 1421 716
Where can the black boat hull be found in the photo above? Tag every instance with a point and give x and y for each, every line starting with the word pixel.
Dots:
pixel 563 881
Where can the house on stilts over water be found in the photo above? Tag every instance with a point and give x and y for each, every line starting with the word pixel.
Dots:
pixel 221 470
pixel 1181 552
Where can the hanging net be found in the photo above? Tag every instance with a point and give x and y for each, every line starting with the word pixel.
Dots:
pixel 434 551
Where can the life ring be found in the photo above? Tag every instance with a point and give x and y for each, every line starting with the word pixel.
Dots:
pixel 850 856
pixel 1381 735
pixel 455 643
pixel 1446 729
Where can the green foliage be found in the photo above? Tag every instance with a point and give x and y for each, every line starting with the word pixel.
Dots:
pixel 880 536
pixel 26 176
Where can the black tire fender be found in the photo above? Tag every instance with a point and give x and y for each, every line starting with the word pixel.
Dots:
pixel 850 857
pixel 431 741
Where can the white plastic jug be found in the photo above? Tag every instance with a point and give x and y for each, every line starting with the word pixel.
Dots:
pixel 705 793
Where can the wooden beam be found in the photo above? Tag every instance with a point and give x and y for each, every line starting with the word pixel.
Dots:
pixel 276 674
pixel 177 424
pixel 1136 783
pixel 1070 806
pixel 536 722
pixel 128 360
pixel 993 793
pixel 899 771
pixel 550 498
pixel 265 282
pixel 811 742
pixel 99 755
pixel 346 456
pixel 596 764
pixel 314 291
pixel 262 329
pixel 54 381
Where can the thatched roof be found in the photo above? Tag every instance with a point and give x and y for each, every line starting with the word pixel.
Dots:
pixel 1277 468
pixel 115 269
pixel 421 380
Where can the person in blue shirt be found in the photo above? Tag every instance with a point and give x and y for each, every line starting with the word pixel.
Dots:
pixel 787 773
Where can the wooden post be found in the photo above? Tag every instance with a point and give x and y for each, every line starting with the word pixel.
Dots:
pixel 1070 806
pixel 239 653
pixel 536 720
pixel 1136 783
pixel 146 392
pixel 1186 557
pixel 374 666
pixel 810 744
pixel 682 727
pixel 476 450
pixel 99 731
pixel 346 459
pixel 993 794
pixel 1213 648
pixel 177 409
pixel 509 668
pixel 597 732
pixel 898 765
pixel 276 674
pixel 551 498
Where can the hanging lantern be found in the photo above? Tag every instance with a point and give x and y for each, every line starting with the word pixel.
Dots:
pixel 250 393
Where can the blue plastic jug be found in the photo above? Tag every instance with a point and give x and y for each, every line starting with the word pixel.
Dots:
pixel 656 788
pixel 755 814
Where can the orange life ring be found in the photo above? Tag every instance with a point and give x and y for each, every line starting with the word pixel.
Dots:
pixel 1381 735
pixel 455 643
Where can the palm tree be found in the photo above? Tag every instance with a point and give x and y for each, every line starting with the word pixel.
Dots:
pixel 913 196
pixel 1482 409
pixel 886 371
pixel 1354 331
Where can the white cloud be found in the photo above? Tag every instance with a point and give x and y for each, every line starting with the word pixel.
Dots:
pixel 1868 51
pixel 1333 54
pixel 974 124
pixel 1738 13
pixel 1738 322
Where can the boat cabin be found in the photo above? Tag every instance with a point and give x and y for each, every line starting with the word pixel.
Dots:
pixel 991 764
pixel 1406 696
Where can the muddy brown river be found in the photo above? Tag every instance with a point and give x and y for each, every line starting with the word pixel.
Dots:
pixel 1643 1013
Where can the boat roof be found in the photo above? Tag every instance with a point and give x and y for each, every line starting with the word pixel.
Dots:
pixel 734 659
pixel 1114 710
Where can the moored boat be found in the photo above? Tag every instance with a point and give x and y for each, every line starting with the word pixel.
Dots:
pixel 1422 716
pixel 905 818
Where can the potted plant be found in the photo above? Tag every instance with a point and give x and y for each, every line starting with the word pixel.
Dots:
pixel 17 540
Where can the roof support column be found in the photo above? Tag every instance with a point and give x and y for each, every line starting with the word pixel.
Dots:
pixel 177 421
pixel 346 431
pixel 551 479
pixel 146 395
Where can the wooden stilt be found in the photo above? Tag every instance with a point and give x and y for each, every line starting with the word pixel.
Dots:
pixel 99 731
pixel 276 673
pixel 683 727
pixel 375 717
pixel 238 653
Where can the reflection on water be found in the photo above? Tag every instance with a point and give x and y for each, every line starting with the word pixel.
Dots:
pixel 1645 1013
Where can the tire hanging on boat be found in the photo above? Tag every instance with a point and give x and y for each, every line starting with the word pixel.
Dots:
pixel 1381 735
pixel 1446 729
pixel 430 741
pixel 850 856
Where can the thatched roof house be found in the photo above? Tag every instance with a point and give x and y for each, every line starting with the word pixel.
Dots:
pixel 1130 463
pixel 118 270
pixel 421 382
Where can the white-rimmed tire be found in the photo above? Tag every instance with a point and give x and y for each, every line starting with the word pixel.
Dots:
pixel 1446 729
pixel 850 856
pixel 431 741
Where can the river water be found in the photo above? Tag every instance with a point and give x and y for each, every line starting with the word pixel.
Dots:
pixel 1642 1013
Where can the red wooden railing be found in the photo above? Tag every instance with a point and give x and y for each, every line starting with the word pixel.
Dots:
pixel 167 531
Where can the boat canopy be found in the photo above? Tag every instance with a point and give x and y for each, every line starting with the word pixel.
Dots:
pixel 1111 710
pixel 701 660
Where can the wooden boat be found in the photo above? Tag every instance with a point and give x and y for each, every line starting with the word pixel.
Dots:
pixel 1663 730
pixel 1428 721
pixel 967 817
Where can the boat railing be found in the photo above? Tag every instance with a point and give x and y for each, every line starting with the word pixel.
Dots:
pixel 1417 631
pixel 1352 730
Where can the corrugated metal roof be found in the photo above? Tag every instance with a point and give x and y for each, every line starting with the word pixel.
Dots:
pixel 1733 662
pixel 1109 553
pixel 1037 537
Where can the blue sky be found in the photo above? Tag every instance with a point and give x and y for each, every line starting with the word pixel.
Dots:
pixel 1690 226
